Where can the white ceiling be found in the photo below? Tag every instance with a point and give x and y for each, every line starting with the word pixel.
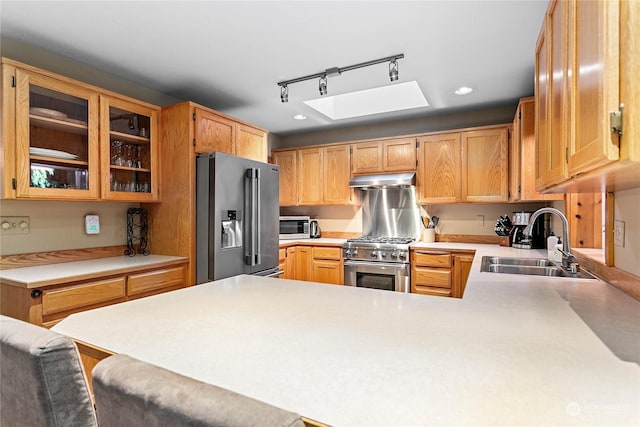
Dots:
pixel 229 55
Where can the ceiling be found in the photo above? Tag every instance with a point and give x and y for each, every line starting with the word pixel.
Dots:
pixel 229 55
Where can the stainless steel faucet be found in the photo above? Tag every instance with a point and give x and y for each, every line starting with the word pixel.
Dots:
pixel 568 259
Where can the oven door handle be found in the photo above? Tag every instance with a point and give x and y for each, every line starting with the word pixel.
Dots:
pixel 376 264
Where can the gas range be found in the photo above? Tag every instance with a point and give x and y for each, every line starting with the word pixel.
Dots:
pixel 377 249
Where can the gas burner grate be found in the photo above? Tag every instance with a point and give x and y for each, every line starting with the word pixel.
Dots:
pixel 387 240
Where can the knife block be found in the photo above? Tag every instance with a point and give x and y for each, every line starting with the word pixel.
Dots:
pixel 504 241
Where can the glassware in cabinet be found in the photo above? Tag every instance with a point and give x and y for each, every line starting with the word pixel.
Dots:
pixel 129 150
pixel 56 143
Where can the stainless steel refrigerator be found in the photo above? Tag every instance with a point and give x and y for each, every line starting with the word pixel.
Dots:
pixel 237 215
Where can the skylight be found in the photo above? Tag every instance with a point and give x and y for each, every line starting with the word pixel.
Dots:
pixel 396 97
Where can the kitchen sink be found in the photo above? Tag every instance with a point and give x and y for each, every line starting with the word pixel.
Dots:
pixel 528 266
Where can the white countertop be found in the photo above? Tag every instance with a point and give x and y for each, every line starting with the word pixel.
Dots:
pixel 516 350
pixel 43 275
pixel 318 241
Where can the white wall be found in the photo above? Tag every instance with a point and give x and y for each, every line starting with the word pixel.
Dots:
pixel 60 225
pixel 627 208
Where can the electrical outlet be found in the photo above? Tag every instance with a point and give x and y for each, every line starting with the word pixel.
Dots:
pixel 618 233
pixel 14 225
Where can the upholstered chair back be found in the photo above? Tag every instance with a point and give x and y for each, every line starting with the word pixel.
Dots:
pixel 42 382
pixel 129 392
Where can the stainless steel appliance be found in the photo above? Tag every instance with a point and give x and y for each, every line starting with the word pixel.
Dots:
pixel 390 222
pixel 295 227
pixel 537 240
pixel 377 262
pixel 236 217
pixel 315 229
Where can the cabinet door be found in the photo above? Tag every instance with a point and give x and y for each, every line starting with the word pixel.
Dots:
pixel 515 162
pixel 56 138
pixel 251 143
pixel 214 133
pixel 439 169
pixel 129 150
pixel 290 264
pixel 366 158
pixel 485 166
pixel 461 269
pixel 399 155
pixel 594 86
pixel 288 162
pixel 543 139
pixel 337 161
pixel 584 211
pixel 310 179
pixel 304 263
pixel 327 271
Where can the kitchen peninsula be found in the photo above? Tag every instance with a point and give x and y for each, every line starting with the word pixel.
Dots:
pixel 516 350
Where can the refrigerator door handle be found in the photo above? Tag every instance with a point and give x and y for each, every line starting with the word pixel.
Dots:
pixel 250 258
pixel 258 202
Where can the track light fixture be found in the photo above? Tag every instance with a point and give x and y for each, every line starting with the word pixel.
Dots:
pixel 322 85
pixel 335 71
pixel 393 70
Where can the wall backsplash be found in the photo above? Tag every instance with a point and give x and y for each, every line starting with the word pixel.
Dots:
pixel 60 225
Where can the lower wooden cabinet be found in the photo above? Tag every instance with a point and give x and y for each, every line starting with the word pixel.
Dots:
pixel 47 305
pixel 327 265
pixel 312 263
pixel 440 272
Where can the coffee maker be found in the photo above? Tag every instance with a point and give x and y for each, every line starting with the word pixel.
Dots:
pixel 538 239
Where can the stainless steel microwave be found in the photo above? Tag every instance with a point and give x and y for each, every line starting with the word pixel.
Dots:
pixel 295 227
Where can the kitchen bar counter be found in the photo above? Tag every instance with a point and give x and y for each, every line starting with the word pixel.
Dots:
pixel 43 275
pixel 516 350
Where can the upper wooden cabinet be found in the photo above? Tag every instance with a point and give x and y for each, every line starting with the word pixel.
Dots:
pixel 392 155
pixel 584 71
pixel 215 131
pixel 129 150
pixel 288 162
pixel 55 129
pixel 315 176
pixel 522 150
pixel 485 165
pixel 439 168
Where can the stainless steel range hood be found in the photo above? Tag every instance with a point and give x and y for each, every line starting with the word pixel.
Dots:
pixel 397 180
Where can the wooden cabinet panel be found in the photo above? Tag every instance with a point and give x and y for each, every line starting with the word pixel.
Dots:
pixel 584 212
pixel 288 162
pixel 155 280
pixel 251 143
pixel 432 259
pixel 399 155
pixel 290 264
pixel 461 269
pixel 327 271
pixel 366 158
pixel 432 277
pixel 325 252
pixel 64 299
pixel 310 187
pixel 439 171
pixel 485 165
pixel 429 290
pixel 304 263
pixel 337 161
pixel 213 133
pixel 594 86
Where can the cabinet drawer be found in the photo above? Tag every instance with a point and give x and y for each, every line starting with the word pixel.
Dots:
pixel 152 280
pixel 427 290
pixel 327 253
pixel 58 300
pixel 282 255
pixel 439 278
pixel 432 259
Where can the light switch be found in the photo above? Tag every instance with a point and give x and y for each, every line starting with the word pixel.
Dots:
pixel 618 233
pixel 92 224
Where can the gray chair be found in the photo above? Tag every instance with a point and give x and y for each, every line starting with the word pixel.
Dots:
pixel 42 382
pixel 129 392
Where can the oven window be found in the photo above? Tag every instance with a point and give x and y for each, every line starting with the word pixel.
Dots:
pixel 385 282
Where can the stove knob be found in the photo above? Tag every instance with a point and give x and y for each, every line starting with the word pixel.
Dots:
pixel 347 252
pixel 355 252
pixel 383 255
pixel 374 255
pixel 394 255
pixel 402 256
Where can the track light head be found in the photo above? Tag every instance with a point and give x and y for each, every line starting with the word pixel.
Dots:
pixel 284 93
pixel 322 85
pixel 393 70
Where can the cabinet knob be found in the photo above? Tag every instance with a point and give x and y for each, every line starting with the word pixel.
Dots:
pixel 36 293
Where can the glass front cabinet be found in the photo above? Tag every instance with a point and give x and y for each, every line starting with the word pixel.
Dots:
pixel 129 154
pixel 56 139
pixel 66 140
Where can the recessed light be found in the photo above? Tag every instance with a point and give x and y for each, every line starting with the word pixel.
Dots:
pixel 300 117
pixel 463 90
